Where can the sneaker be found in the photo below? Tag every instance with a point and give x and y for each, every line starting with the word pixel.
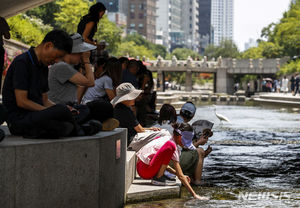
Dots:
pixel 170 175
pixel 163 181
pixel 110 124
pixel 91 127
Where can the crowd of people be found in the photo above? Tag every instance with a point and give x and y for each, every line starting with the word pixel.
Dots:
pixel 69 86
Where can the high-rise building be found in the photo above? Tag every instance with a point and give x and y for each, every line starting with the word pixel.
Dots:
pixel 117 11
pixel 116 5
pixel 222 20
pixel 204 24
pixel 189 23
pixel 251 43
pixel 168 21
pixel 141 18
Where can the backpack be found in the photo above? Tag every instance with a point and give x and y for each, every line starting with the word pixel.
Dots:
pixel 141 139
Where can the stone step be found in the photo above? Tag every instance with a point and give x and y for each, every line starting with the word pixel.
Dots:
pixel 277 102
pixel 277 97
pixel 142 190
pixel 165 99
pixel 130 169
pixel 177 105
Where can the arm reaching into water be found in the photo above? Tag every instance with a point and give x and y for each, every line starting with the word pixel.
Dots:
pixel 185 180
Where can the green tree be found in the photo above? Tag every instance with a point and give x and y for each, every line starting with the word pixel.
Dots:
pixel 254 53
pixel 226 49
pixel 140 40
pixel 28 30
pixel 290 68
pixel 109 32
pixel 184 53
pixel 70 13
pixel 134 50
pixel 46 13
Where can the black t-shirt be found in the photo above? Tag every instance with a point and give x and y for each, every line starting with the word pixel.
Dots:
pixel 126 118
pixel 24 73
pixel 81 26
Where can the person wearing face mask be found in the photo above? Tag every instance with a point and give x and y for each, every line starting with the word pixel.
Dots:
pixel 154 157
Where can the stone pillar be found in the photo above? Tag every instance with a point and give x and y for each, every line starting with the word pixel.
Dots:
pixel 188 80
pixel 160 81
pixel 224 81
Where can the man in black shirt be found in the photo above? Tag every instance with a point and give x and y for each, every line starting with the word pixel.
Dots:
pixel 30 112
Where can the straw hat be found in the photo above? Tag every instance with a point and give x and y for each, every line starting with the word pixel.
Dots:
pixel 125 91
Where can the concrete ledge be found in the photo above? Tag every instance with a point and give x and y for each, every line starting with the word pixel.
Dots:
pixel 67 173
pixel 130 169
pixel 142 190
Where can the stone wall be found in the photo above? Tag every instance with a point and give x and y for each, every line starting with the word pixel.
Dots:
pixel 68 173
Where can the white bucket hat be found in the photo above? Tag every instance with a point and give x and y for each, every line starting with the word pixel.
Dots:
pixel 79 45
pixel 125 91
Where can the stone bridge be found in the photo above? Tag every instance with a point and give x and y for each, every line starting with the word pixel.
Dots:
pixel 223 69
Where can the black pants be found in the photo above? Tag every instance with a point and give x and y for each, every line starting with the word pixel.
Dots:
pixel 100 110
pixel 2 52
pixel 53 122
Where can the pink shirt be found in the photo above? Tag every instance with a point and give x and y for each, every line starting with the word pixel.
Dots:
pixel 147 152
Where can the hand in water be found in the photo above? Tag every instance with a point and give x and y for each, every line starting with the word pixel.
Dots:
pixel 201 197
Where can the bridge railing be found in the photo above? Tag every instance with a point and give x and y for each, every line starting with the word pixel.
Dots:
pixel 227 63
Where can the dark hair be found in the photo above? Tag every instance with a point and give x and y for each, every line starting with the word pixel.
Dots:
pixel 95 9
pixel 113 69
pixel 187 114
pixel 167 113
pixel 60 39
pixel 181 127
pixel 100 62
pixel 132 63
pixel 123 60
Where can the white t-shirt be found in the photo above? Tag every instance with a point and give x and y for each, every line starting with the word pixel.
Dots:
pixel 146 153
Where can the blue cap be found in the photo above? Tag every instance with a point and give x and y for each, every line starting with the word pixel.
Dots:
pixel 188 109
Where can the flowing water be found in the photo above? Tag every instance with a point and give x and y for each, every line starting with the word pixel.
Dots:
pixel 255 160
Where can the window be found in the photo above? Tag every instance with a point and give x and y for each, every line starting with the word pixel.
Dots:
pixel 132 25
pixel 141 25
pixel 141 15
pixel 132 15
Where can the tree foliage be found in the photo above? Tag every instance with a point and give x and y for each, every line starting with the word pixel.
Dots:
pixel 133 50
pixel 28 30
pixel 139 40
pixel 46 13
pixel 226 49
pixel 70 13
pixel 109 32
pixel 184 53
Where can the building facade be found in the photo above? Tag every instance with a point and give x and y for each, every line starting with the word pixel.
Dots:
pixel 168 21
pixel 189 23
pixel 222 20
pixel 141 18
pixel 204 24
pixel 117 11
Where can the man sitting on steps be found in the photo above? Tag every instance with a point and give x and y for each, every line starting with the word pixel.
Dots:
pixel 30 112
